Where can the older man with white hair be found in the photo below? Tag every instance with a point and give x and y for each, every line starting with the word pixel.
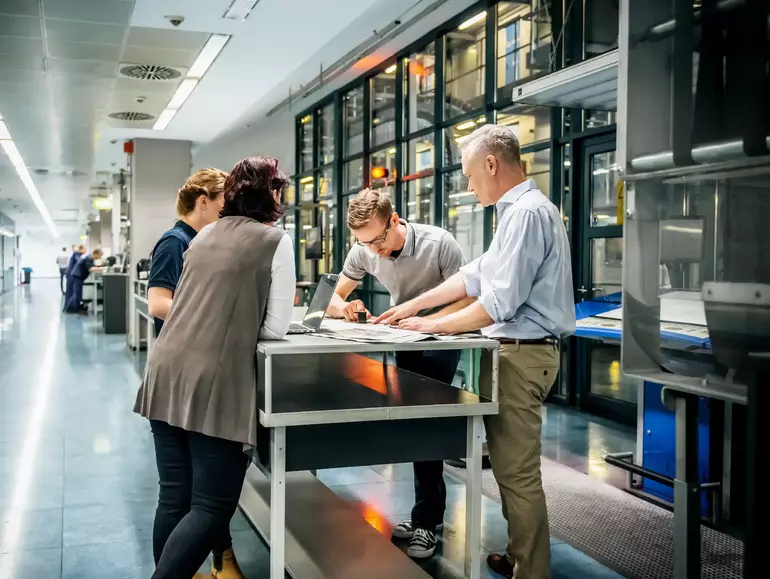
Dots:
pixel 525 300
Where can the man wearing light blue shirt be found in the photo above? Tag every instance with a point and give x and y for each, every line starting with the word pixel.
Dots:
pixel 525 300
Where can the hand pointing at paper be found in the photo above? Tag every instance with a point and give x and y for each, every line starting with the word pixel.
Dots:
pixel 424 325
pixel 398 313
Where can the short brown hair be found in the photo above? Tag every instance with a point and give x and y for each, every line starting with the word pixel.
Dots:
pixel 368 204
pixel 209 182
pixel 249 190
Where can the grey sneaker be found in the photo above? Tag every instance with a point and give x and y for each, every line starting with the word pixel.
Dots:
pixel 422 544
pixel 405 529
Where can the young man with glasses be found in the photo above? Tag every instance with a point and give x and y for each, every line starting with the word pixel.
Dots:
pixel 408 259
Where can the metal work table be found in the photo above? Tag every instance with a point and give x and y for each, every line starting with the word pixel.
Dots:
pixel 326 403
pixel 144 323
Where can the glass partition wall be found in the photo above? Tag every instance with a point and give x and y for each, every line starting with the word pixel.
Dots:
pixel 400 128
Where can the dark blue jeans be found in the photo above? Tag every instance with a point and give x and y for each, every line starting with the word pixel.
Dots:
pixel 74 300
pixel 200 483
pixel 429 485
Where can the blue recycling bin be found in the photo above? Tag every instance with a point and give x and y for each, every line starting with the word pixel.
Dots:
pixel 27 275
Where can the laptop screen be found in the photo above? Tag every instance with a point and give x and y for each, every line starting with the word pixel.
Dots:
pixel 320 302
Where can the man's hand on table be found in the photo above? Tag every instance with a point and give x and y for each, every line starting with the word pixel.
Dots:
pixel 424 325
pixel 351 309
pixel 397 313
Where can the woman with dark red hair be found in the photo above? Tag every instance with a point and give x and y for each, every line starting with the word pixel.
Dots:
pixel 199 388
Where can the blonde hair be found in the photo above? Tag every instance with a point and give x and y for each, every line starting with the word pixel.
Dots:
pixel 366 205
pixel 209 182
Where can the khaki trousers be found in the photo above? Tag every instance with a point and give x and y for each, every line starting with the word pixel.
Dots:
pixel 526 374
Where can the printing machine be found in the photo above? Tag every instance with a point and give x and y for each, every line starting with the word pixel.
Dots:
pixel 693 147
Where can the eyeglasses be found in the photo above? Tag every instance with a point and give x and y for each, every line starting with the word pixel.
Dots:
pixel 377 240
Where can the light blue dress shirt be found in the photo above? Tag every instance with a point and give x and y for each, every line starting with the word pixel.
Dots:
pixel 524 280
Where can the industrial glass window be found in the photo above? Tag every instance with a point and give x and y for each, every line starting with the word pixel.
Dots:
pixel 383 106
pixel 418 195
pixel 353 176
pixel 383 170
pixel 420 90
pixel 455 136
pixel 532 124
pixel 307 188
pixel 463 215
pixel 524 48
pixel 353 122
pixel 464 66
pixel 537 166
pixel 306 143
pixel 289 194
pixel 326 184
pixel 604 180
pixel 326 135
pixel 419 157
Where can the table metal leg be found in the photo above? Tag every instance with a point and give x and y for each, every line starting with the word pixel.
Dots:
pixel 277 502
pixel 473 498
pixel 686 491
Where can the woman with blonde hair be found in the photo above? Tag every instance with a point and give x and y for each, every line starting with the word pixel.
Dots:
pixel 198 203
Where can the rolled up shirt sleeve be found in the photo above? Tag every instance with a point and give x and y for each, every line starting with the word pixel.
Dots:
pixel 518 253
pixel 471 274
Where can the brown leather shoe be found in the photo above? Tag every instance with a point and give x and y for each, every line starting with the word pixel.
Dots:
pixel 227 567
pixel 202 576
pixel 500 565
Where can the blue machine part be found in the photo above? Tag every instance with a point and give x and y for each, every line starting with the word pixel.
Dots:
pixel 659 444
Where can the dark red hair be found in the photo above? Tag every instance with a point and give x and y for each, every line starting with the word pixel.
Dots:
pixel 249 190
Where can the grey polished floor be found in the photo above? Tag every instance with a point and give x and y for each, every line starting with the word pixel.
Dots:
pixel 78 482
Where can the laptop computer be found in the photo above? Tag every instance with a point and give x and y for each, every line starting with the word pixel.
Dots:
pixel 316 312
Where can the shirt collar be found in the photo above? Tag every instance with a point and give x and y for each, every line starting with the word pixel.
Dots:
pixel 411 239
pixel 186 228
pixel 512 195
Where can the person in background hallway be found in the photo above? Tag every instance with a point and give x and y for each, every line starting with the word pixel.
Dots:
pixel 77 253
pixel 408 259
pixel 80 272
pixel 198 203
pixel 199 388
pixel 526 301
pixel 62 262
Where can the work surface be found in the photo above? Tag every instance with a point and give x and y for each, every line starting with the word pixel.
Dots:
pixel 312 389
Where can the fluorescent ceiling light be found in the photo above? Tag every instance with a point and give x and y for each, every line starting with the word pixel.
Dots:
pixel 182 93
pixel 308 179
pixel 239 9
pixel 473 20
pixel 164 119
pixel 21 169
pixel 207 56
pixel 465 126
pixel 10 148
pixel 209 53
pixel 391 69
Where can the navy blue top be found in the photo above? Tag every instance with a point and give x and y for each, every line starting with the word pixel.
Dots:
pixel 82 269
pixel 73 260
pixel 167 260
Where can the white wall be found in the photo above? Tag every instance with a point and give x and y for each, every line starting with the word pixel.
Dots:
pixel 40 253
pixel 273 137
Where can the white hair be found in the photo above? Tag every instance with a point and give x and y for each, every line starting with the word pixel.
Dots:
pixel 494 140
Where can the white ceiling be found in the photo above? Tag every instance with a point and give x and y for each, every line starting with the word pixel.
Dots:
pixel 59 80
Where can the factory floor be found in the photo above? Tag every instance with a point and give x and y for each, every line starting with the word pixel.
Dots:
pixel 78 481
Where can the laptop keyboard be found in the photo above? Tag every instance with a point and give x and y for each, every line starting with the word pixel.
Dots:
pixel 297 328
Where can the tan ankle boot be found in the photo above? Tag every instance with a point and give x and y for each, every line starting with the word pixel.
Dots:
pixel 228 567
pixel 202 576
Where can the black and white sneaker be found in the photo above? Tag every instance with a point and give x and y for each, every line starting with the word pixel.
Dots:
pixel 405 529
pixel 422 544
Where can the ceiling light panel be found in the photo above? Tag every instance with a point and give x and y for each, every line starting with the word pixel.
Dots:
pixel 240 9
pixel 205 59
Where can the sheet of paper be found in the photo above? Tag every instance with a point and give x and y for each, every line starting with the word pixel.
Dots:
pixel 374 333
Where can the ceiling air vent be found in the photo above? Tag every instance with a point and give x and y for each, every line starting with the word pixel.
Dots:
pixel 41 171
pixel 131 116
pixel 149 72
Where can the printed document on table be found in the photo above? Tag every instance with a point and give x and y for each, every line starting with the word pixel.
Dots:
pixel 373 333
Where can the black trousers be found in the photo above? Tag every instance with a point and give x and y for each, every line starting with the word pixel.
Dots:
pixel 62 280
pixel 429 485
pixel 200 482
